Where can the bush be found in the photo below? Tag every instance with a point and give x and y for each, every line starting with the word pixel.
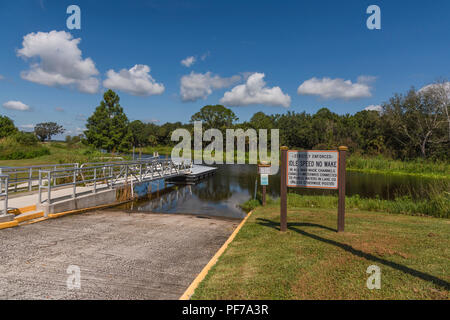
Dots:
pixel 21 145
pixel 25 138
pixel 21 154
pixel 7 127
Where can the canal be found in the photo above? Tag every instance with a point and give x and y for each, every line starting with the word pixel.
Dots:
pixel 221 194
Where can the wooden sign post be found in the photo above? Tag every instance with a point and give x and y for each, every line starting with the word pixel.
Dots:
pixel 283 190
pixel 317 169
pixel 341 204
pixel 264 170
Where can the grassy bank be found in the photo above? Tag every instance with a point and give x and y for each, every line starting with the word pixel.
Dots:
pixel 437 206
pixel 417 167
pixel 312 261
pixel 162 150
pixel 59 152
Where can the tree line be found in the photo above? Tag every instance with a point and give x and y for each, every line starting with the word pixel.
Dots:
pixel 410 125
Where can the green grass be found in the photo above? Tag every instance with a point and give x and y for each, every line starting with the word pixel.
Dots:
pixel 312 261
pixel 417 167
pixel 162 150
pixel 59 152
pixel 438 205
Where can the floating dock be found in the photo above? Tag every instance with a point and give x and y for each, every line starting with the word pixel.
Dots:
pixel 198 172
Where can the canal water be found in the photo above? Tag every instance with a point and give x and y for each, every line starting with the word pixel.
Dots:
pixel 221 194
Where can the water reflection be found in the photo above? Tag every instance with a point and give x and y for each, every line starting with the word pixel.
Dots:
pixel 221 194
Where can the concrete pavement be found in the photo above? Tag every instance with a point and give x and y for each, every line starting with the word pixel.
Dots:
pixel 120 255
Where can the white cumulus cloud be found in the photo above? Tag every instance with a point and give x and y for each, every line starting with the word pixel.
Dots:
pixel 189 61
pixel 328 88
pixel 254 91
pixel 56 60
pixel 16 105
pixel 196 86
pixel 445 86
pixel 374 108
pixel 136 81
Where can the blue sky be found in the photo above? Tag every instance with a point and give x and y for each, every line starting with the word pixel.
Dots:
pixel 249 55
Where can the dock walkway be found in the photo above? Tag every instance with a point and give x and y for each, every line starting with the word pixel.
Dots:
pixel 90 188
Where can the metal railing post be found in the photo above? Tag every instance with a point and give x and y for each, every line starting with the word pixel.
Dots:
pixel 5 204
pixel 30 181
pixel 40 188
pixel 111 176
pixel 95 180
pixel 74 195
pixel 4 185
pixel 49 193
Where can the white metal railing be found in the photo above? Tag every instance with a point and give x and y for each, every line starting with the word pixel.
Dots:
pixel 92 177
pixel 4 193
pixel 26 178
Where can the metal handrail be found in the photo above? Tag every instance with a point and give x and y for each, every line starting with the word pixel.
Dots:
pixel 4 193
pixel 22 178
pixel 119 162
pixel 108 174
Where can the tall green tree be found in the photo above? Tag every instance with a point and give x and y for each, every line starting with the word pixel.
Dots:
pixel 139 136
pixel 108 127
pixel 217 117
pixel 7 127
pixel 45 130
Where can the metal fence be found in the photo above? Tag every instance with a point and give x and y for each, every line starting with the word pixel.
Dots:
pixel 27 178
pixel 4 193
pixel 89 178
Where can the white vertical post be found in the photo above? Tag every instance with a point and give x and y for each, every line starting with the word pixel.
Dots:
pixel 49 194
pixel 6 195
pixel 74 184
pixel 54 179
pixel 40 192
pixel 30 176
pixel 95 180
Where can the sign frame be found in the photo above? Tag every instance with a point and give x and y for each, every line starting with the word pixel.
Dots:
pixel 341 177
pixel 313 187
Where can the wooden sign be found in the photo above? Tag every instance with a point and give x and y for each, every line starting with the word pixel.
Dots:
pixel 264 169
pixel 312 169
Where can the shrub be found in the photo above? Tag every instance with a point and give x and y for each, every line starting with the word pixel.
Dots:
pixel 25 138
pixel 21 145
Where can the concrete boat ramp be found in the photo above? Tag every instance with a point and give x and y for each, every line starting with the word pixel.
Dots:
pixel 58 190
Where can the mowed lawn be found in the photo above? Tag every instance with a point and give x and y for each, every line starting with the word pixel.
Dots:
pixel 312 261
